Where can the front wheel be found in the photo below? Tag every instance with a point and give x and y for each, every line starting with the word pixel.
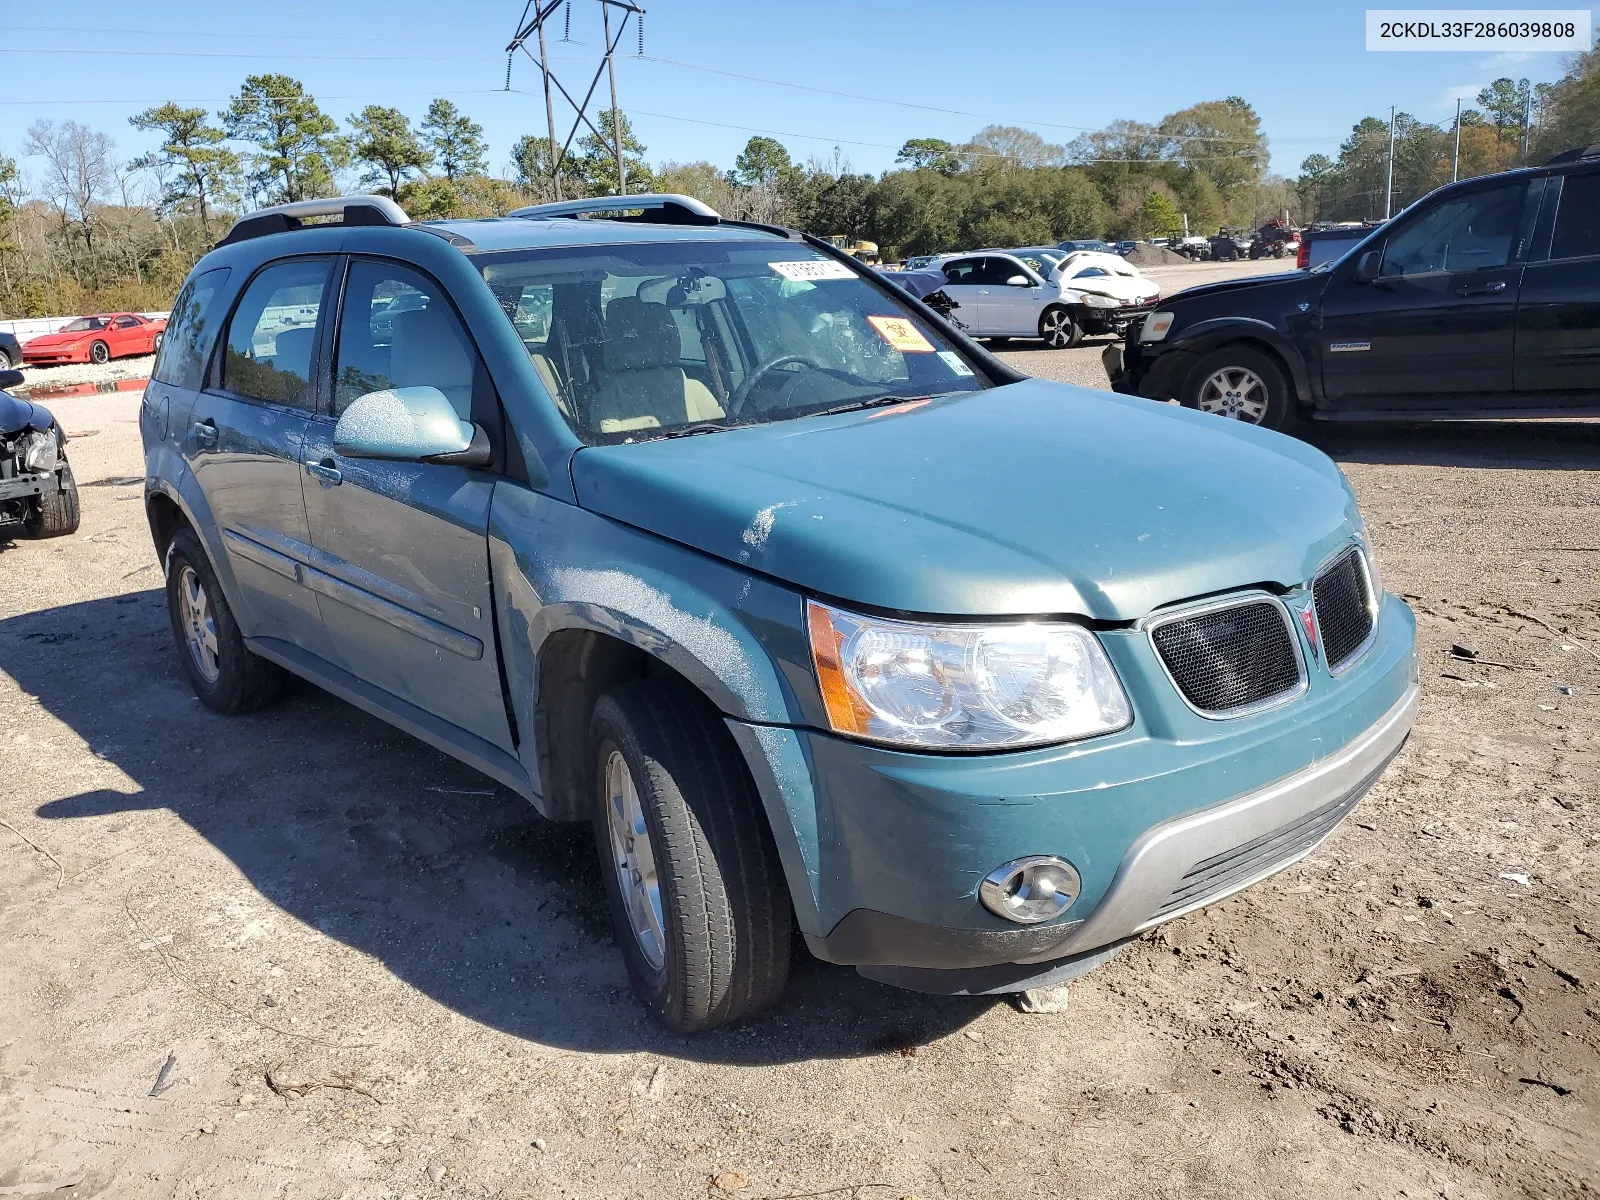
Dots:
pixel 1241 384
pixel 697 894
pixel 99 353
pixel 58 510
pixel 1058 329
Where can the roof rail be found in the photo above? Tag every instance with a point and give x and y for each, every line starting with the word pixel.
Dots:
pixel 655 208
pixel 1579 155
pixel 351 210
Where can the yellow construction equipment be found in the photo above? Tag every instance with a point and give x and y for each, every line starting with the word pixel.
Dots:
pixel 867 252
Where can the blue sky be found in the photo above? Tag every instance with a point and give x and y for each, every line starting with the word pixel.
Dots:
pixel 1050 66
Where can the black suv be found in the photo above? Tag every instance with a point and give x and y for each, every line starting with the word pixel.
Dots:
pixel 1482 299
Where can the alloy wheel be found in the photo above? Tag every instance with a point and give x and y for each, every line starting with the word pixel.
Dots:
pixel 635 862
pixel 199 625
pixel 1056 326
pixel 1235 392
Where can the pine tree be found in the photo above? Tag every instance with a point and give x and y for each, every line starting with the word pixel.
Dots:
pixel 300 146
pixel 455 140
pixel 384 140
pixel 199 167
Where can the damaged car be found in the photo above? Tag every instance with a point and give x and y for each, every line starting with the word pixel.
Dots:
pixel 824 619
pixel 37 490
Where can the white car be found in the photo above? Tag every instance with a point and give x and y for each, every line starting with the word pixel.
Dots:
pixel 999 296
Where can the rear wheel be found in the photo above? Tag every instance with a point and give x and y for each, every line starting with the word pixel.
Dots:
pixel 99 353
pixel 1058 329
pixel 58 511
pixel 155 344
pixel 225 675
pixel 5 361
pixel 696 891
pixel 1241 384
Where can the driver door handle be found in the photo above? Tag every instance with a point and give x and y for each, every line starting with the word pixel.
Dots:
pixel 329 474
pixel 1488 289
pixel 983 291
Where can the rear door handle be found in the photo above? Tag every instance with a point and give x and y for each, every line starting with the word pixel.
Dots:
pixel 325 471
pixel 205 433
pixel 1488 289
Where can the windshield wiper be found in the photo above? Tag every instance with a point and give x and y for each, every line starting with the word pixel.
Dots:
pixel 692 429
pixel 858 405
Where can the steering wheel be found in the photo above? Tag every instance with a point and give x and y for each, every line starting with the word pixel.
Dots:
pixel 741 393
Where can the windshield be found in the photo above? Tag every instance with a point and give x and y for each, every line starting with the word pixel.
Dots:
pixel 84 323
pixel 648 340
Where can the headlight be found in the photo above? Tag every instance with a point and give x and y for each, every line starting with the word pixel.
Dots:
pixel 1155 326
pixel 1094 301
pixel 40 454
pixel 963 687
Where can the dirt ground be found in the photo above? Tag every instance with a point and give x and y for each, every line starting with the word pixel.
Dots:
pixel 300 955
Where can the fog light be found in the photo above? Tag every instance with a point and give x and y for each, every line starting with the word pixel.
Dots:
pixel 1030 890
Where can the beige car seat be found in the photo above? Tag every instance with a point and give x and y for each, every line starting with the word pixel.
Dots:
pixel 643 385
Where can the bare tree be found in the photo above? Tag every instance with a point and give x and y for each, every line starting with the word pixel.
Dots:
pixel 80 170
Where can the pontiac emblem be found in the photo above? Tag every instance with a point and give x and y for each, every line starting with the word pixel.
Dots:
pixel 1308 622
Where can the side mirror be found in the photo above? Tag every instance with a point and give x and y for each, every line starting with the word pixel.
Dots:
pixel 10 378
pixel 1366 269
pixel 1019 281
pixel 412 424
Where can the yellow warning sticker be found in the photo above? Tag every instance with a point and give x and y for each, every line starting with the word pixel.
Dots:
pixel 900 333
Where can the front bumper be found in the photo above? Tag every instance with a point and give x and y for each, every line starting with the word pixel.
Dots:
pixel 1172 814
pixel 23 487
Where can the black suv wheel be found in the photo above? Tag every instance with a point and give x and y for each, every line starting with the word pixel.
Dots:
pixel 697 893
pixel 1242 384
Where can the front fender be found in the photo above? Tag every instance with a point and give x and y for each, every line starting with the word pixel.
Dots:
pixel 1205 336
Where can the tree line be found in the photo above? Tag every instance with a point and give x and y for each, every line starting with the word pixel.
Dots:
pixel 90 230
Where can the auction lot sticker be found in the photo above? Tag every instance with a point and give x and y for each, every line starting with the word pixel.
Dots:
pixel 1477 29
pixel 809 270
pixel 900 333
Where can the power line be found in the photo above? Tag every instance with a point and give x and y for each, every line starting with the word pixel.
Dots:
pixel 79 31
pixel 121 52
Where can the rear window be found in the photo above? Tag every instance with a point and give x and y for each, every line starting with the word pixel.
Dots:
pixel 641 341
pixel 1577 232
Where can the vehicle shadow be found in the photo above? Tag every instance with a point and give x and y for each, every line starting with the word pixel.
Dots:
pixel 454 884
pixel 1563 445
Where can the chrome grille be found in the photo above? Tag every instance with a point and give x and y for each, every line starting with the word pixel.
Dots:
pixel 1234 869
pixel 1231 659
pixel 1342 593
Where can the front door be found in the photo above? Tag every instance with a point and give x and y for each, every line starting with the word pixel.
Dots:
pixel 244 441
pixel 126 337
pixel 1011 309
pixel 401 553
pixel 963 284
pixel 1558 316
pixel 1435 329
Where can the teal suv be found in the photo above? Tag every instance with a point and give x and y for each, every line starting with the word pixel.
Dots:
pixel 826 619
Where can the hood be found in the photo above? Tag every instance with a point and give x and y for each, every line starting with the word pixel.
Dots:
pixel 1033 498
pixel 52 341
pixel 17 415
pixel 1255 282
pixel 1118 287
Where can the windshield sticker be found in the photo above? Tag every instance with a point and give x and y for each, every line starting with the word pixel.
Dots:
pixel 809 270
pixel 900 333
pixel 953 361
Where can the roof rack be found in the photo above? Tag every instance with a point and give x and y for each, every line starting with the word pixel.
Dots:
pixel 351 210
pixel 1578 155
pixel 654 208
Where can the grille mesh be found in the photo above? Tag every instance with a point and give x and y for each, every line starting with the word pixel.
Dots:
pixel 1230 658
pixel 1344 613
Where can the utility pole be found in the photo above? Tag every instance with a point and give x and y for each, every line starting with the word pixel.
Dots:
pixel 1527 120
pixel 1388 182
pixel 1455 159
pixel 535 15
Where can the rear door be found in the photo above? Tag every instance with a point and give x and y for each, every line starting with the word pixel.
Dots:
pixel 963 284
pixel 401 551
pixel 243 442
pixel 1436 329
pixel 1558 315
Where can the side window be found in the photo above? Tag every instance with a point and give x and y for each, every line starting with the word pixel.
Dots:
pixel 1577 232
pixel 190 332
pixel 996 271
pixel 273 331
pixel 398 330
pixel 124 322
pixel 962 270
pixel 1464 233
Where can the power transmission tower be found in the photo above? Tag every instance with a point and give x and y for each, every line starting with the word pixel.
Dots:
pixel 531 25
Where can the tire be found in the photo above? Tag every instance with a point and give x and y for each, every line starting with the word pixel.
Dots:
pixel 1243 384
pixel 99 353
pixel 230 679
pixel 58 512
pixel 155 342
pixel 5 361
pixel 714 937
pixel 1058 329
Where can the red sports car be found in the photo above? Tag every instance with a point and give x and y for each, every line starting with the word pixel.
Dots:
pixel 96 339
